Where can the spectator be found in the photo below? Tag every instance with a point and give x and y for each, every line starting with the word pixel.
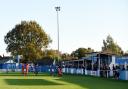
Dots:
pixel 59 71
pixel 123 68
pixel 36 69
pixel 114 71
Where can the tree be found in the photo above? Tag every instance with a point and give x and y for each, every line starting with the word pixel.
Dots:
pixel 109 46
pixel 49 56
pixel 27 39
pixel 52 54
pixel 66 56
pixel 81 52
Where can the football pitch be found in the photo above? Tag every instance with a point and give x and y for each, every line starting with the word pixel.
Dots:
pixel 45 81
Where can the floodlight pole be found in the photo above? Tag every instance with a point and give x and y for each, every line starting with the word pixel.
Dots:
pixel 57 10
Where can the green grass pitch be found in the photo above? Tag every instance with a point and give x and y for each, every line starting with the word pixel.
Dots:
pixel 45 81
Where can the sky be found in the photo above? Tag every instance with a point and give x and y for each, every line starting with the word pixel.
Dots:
pixel 83 23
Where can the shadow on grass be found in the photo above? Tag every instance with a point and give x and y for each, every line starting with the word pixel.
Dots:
pixel 30 82
pixel 20 74
pixel 94 82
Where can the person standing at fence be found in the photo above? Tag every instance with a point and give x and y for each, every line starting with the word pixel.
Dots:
pixel 51 70
pixel 83 67
pixel 59 71
pixel 114 70
pixel 123 68
pixel 36 69
pixel 101 70
pixel 117 72
pixel 108 69
pixel 27 68
pixel 22 68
